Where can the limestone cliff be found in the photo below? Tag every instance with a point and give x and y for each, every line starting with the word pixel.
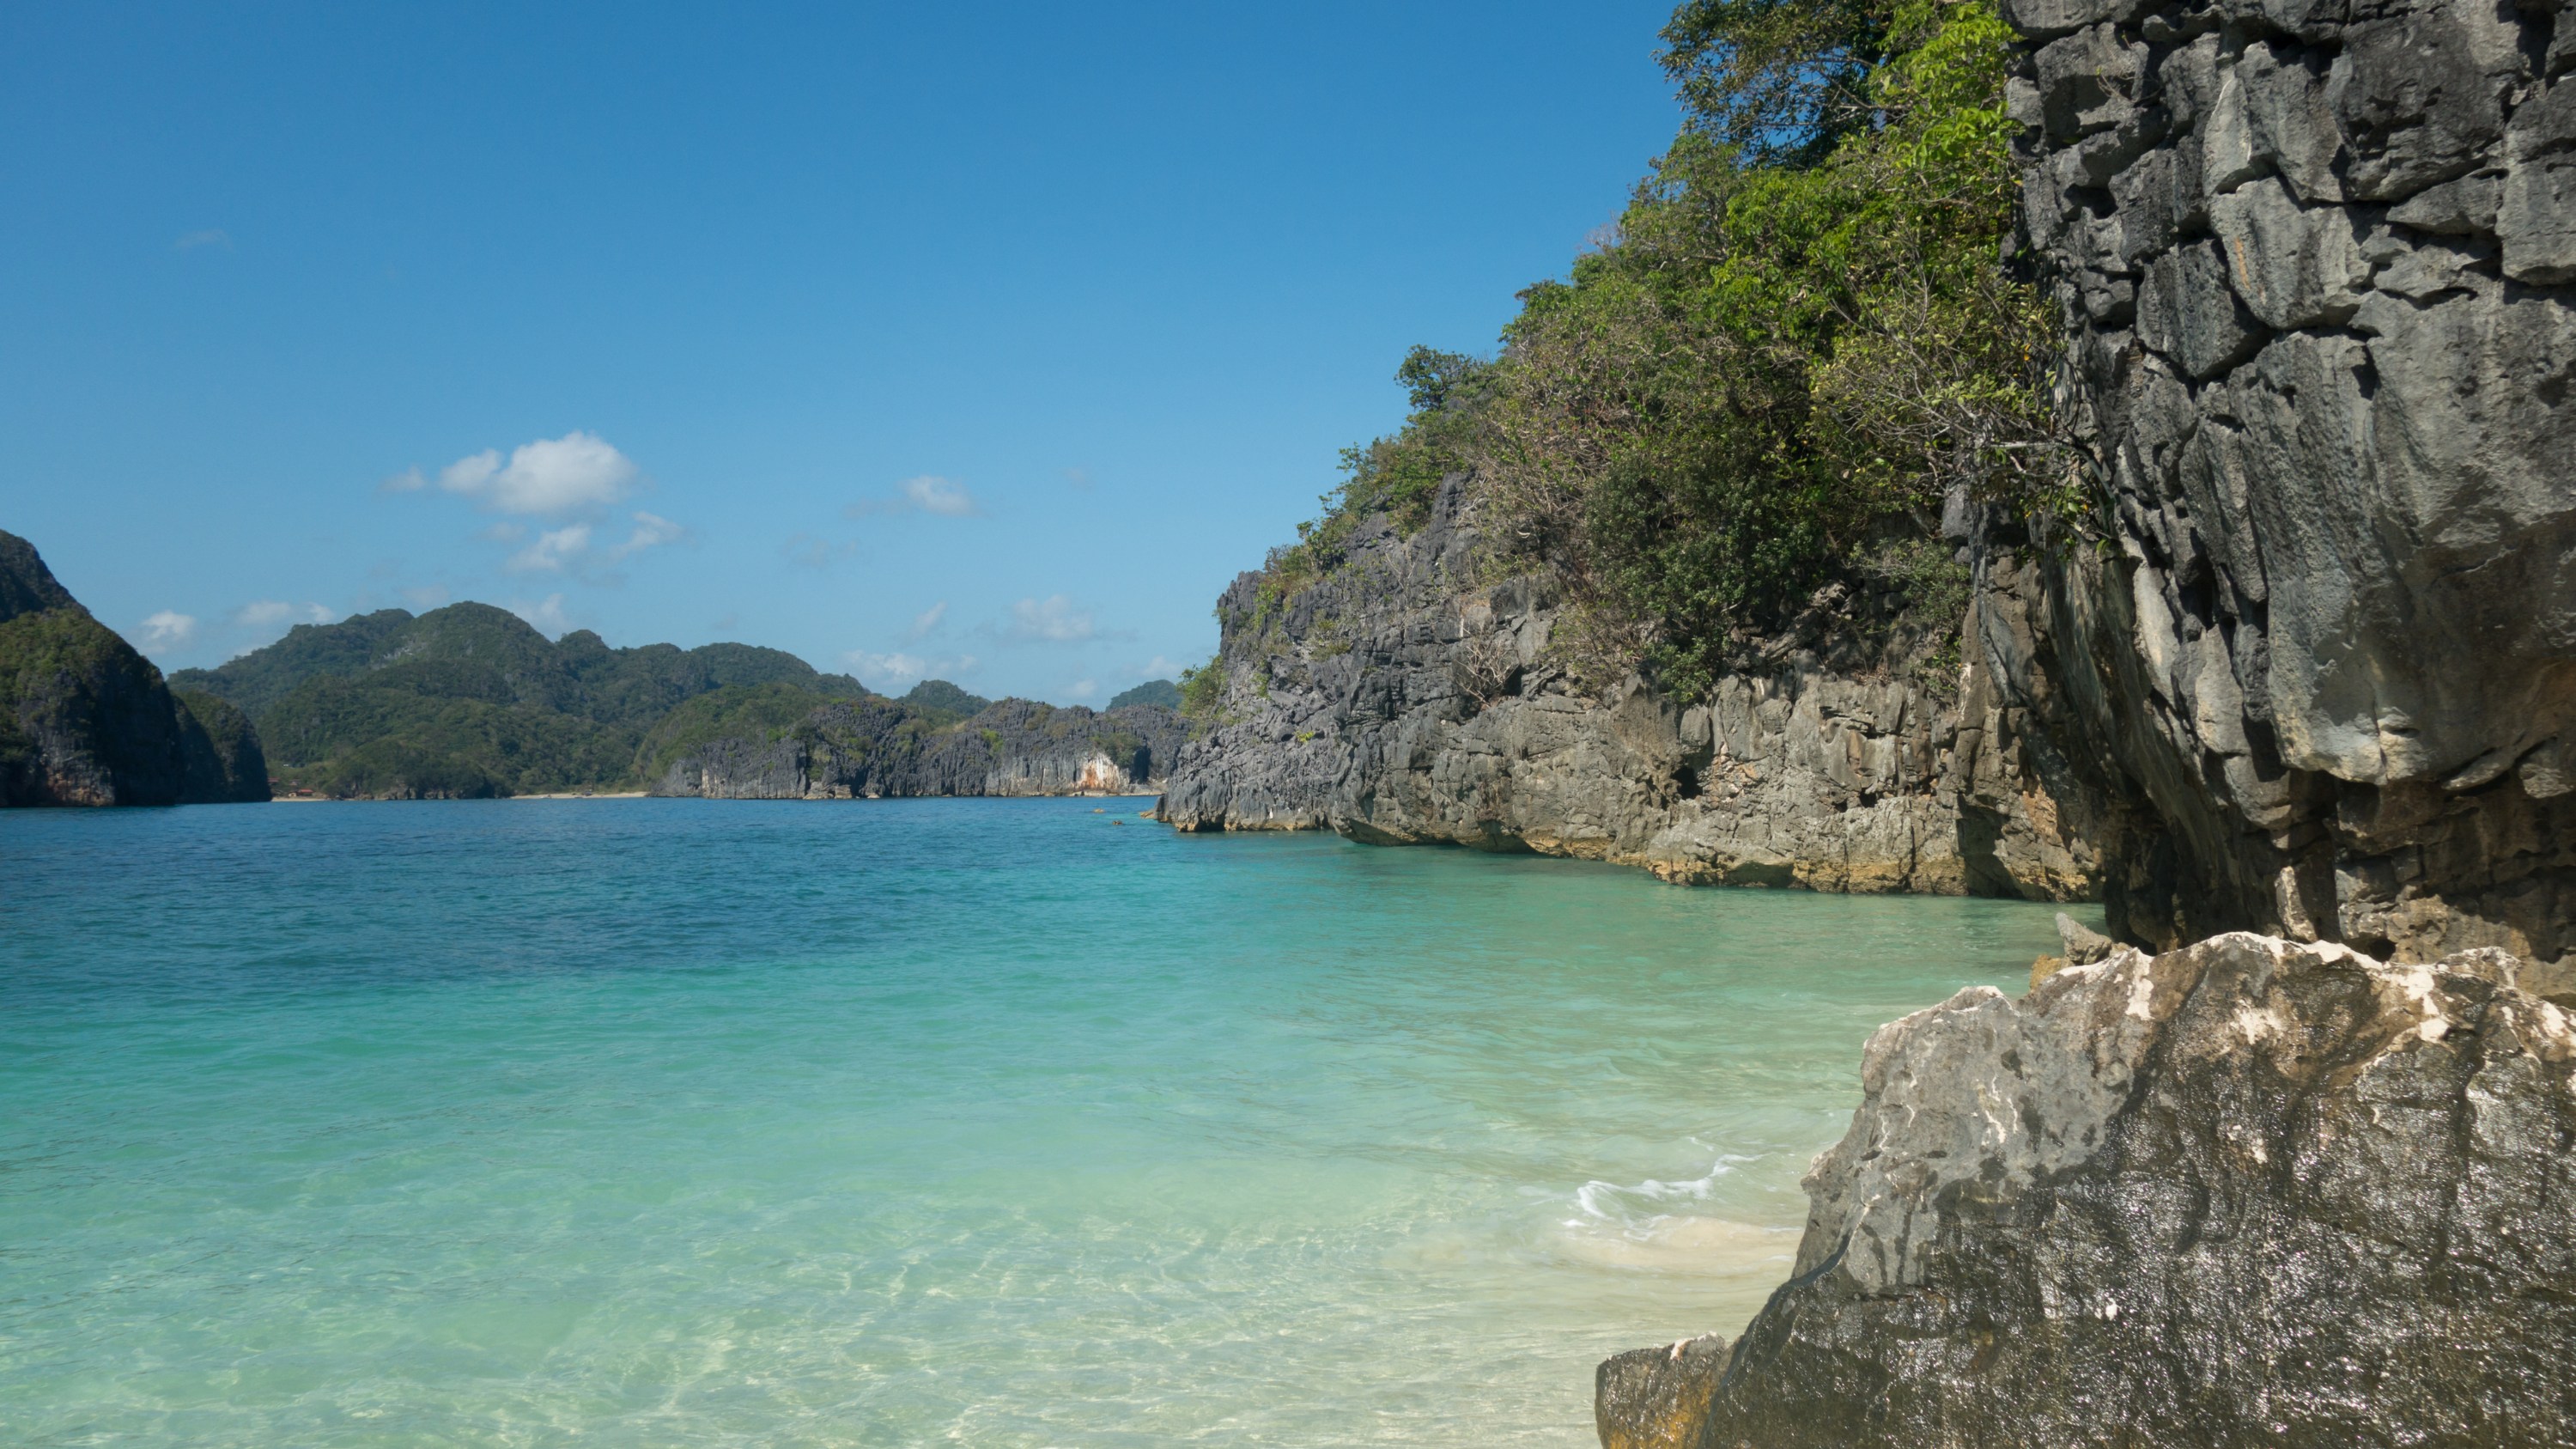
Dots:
pixel 84 720
pixel 1403 697
pixel 2314 672
pixel 2316 257
pixel 879 747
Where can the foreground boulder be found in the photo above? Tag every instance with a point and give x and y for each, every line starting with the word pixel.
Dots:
pixel 2250 1191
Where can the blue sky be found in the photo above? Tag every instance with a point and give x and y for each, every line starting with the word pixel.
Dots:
pixel 988 342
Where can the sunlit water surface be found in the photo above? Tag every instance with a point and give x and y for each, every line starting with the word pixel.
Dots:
pixel 887 1123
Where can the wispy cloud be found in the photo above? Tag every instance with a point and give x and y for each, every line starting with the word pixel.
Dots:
pixel 1083 688
pixel 213 236
pixel 552 550
pixel 546 616
pixel 812 551
pixel 926 623
pixel 651 530
pixel 926 494
pixel 269 613
pixel 569 548
pixel 1079 478
pixel 899 671
pixel 1054 620
pixel 169 629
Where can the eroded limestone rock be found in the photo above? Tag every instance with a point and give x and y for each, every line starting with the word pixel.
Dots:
pixel 1401 700
pixel 2327 612
pixel 2249 1192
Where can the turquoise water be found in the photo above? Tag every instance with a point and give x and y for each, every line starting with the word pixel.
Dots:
pixel 885 1123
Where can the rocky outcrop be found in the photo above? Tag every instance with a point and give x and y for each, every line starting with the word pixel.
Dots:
pixel 2312 670
pixel 1401 698
pixel 85 720
pixel 2251 1191
pixel 2319 678
pixel 879 747
pixel 224 762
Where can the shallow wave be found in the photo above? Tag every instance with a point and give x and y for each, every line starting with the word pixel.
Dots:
pixel 1650 1226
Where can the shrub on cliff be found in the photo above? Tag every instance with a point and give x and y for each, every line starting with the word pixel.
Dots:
pixel 1797 338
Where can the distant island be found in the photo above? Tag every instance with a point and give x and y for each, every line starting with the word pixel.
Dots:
pixel 472 702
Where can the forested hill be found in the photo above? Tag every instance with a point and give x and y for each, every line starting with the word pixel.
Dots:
pixel 471 700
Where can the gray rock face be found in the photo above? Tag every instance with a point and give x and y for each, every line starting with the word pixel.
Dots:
pixel 877 747
pixel 2321 683
pixel 1398 700
pixel 2252 1191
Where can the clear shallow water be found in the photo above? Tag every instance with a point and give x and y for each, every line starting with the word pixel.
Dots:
pixel 885 1123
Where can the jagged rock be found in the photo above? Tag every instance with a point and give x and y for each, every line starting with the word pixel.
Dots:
pixel 1396 700
pixel 224 762
pixel 2188 312
pixel 85 720
pixel 2420 95
pixel 2252 1191
pixel 2328 607
pixel 2294 266
pixel 1657 1398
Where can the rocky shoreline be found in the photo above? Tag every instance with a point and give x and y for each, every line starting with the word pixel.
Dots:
pixel 877 747
pixel 2296 705
pixel 1399 701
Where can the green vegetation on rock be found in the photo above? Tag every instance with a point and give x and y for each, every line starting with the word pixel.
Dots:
pixel 85 720
pixel 941 700
pixel 764 712
pixel 1797 341
pixel 470 701
pixel 1153 691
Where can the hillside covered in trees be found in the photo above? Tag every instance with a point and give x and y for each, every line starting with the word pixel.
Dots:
pixel 1803 336
pixel 471 701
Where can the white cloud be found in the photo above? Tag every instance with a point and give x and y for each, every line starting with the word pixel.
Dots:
pixel 1158 667
pixel 925 494
pixel 1084 688
pixel 926 623
pixel 652 530
pixel 940 496
pixel 548 617
pixel 213 236
pixel 552 550
pixel 1053 619
pixel 569 547
pixel 269 613
pixel 894 673
pixel 168 629
pixel 549 476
